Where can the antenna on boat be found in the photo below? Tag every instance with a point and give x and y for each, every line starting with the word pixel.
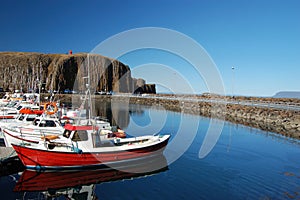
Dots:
pixel 88 92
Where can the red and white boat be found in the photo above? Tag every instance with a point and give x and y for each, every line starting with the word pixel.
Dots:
pixel 13 108
pixel 26 116
pixel 84 146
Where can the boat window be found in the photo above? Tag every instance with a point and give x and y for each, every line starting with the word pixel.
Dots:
pixel 10 104
pixel 19 107
pixel 36 121
pixel 42 124
pixel 30 118
pixel 21 117
pixel 96 139
pixel 80 136
pixel 67 133
pixel 50 123
pixel 47 123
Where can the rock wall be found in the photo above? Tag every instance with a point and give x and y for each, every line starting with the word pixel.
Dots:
pixel 62 71
pixel 284 122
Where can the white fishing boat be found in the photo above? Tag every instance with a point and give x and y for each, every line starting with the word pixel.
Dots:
pixel 12 109
pixel 18 97
pixel 30 122
pixel 25 117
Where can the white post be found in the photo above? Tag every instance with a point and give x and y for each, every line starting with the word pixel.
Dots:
pixel 232 81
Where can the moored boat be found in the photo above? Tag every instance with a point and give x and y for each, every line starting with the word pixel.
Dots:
pixel 47 127
pixel 84 146
pixel 25 117
pixel 13 109
pixel 40 127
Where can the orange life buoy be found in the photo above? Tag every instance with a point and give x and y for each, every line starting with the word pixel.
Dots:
pixel 50 112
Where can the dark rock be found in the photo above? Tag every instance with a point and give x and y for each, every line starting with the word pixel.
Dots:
pixel 62 72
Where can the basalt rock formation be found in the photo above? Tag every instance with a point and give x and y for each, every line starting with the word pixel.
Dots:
pixel 60 72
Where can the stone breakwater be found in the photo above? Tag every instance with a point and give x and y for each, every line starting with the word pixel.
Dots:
pixel 284 122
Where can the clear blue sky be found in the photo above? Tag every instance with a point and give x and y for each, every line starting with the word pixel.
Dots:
pixel 261 39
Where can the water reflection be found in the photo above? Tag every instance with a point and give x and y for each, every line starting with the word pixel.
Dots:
pixel 118 113
pixel 246 163
pixel 81 184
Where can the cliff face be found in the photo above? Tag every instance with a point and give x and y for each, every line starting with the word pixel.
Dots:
pixel 141 87
pixel 62 71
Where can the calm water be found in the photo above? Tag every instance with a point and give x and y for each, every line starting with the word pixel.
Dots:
pixel 245 163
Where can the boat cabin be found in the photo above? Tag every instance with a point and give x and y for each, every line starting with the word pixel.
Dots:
pixel 46 122
pixel 28 115
pixel 87 133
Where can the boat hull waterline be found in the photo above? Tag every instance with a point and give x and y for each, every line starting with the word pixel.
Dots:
pixel 32 181
pixel 38 159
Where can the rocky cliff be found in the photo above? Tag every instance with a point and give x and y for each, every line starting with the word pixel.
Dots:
pixel 63 71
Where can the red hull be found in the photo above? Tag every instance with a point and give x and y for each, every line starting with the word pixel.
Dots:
pixel 43 181
pixel 39 159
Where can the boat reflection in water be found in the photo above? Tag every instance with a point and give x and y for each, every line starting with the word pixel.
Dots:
pixel 81 184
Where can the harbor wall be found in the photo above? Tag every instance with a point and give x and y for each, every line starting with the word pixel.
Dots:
pixel 281 121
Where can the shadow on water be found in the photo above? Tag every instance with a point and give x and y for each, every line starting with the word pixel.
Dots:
pixel 82 184
pixel 11 166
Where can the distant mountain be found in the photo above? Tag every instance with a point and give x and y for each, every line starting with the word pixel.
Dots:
pixel 287 94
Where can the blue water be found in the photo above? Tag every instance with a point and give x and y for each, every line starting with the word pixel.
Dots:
pixel 245 163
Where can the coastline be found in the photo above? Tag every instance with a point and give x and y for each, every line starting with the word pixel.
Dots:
pixel 282 121
pixel 249 111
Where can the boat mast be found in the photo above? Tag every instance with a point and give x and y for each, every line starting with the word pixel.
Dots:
pixel 40 83
pixel 88 89
pixel 88 92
